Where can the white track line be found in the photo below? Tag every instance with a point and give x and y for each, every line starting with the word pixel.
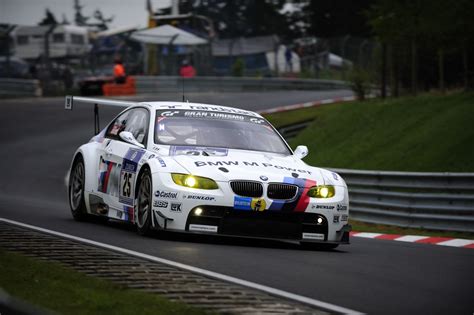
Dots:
pixel 208 273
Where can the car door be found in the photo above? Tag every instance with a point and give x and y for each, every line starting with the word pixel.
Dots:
pixel 119 162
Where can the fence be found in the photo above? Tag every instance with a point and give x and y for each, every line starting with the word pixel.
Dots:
pixel 156 84
pixel 19 87
pixel 442 201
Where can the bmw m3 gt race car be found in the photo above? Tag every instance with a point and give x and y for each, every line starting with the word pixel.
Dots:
pixel 205 169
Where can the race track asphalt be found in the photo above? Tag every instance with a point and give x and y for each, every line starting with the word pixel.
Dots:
pixel 38 139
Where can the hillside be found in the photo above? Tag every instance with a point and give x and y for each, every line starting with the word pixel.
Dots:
pixel 425 133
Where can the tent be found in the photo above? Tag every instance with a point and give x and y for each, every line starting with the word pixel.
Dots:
pixel 167 35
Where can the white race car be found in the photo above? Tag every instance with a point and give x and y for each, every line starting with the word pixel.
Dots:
pixel 205 169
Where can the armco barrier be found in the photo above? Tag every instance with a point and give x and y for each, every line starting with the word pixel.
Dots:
pixel 443 201
pixel 19 87
pixel 156 84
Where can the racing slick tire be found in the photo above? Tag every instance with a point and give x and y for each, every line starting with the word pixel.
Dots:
pixel 144 204
pixel 76 190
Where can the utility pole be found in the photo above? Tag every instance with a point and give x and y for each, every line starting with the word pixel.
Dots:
pixel 174 7
pixel 6 35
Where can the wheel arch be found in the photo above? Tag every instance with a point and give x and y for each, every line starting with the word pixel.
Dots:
pixel 143 169
pixel 86 152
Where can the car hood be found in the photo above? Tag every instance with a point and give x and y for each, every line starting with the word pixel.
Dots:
pixel 249 165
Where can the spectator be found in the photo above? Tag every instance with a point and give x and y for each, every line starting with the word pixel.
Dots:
pixel 119 72
pixel 187 70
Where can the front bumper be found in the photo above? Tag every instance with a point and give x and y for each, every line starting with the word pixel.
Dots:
pixel 296 226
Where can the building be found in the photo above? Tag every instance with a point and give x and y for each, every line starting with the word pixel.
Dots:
pixel 65 41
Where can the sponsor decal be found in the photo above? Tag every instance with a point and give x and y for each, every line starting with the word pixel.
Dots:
pixel 247 203
pixel 246 163
pixel 199 197
pixel 203 114
pixel 335 219
pixel 203 228
pixel 222 109
pixel 334 175
pixel 341 207
pixel 197 151
pixel 344 218
pixel 169 113
pixel 257 120
pixel 162 162
pixel 166 194
pixel 160 204
pixel 313 236
pixel 258 204
pixel 322 207
pixel 176 207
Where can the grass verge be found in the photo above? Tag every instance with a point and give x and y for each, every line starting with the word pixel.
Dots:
pixel 358 226
pixel 428 133
pixel 51 286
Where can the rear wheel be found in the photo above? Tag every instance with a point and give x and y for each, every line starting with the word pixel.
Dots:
pixel 143 206
pixel 76 190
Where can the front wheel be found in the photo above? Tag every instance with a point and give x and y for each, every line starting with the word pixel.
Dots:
pixel 76 190
pixel 143 205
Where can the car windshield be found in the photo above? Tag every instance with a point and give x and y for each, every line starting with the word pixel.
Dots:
pixel 216 129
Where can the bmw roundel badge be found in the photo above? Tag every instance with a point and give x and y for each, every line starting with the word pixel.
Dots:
pixel 264 178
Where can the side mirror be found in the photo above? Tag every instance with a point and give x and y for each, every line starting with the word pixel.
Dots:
pixel 127 136
pixel 301 151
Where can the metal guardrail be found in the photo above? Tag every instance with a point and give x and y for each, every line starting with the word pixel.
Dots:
pixel 155 84
pixel 291 131
pixel 443 201
pixel 19 87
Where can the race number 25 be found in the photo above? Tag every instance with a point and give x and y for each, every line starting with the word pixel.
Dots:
pixel 126 184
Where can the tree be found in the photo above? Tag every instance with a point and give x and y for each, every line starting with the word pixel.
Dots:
pixel 396 23
pixel 49 19
pixel 339 18
pixel 239 18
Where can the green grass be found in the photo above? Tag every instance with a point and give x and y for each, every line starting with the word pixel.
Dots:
pixel 390 229
pixel 65 291
pixel 428 133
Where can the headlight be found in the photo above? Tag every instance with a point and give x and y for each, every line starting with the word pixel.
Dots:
pixel 322 191
pixel 192 181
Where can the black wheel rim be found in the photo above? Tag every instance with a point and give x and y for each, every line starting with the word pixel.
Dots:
pixel 144 201
pixel 77 186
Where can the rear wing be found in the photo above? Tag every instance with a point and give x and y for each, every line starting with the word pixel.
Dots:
pixel 70 100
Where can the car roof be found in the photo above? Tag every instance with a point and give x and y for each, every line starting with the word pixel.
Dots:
pixel 199 106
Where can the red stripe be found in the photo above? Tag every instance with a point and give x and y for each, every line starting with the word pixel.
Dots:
pixel 352 233
pixel 433 240
pixel 388 236
pixel 304 199
pixel 469 246
pixel 107 175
